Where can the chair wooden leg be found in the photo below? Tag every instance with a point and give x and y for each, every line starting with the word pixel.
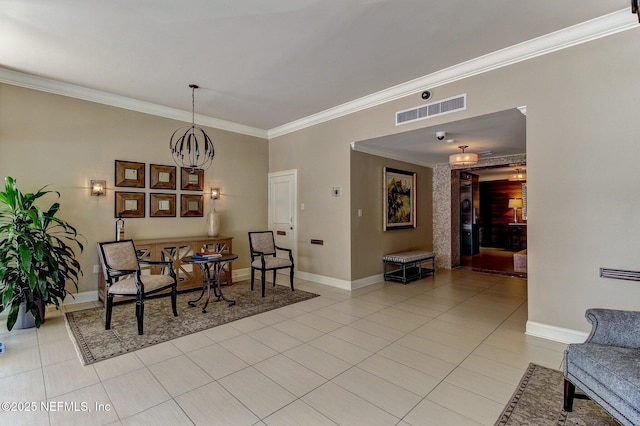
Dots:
pixel 140 313
pixel 264 282
pixel 274 277
pixel 253 276
pixel 107 323
pixel 569 393
pixel 291 279
pixel 174 300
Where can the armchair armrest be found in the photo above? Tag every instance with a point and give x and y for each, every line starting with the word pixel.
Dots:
pixel 117 273
pixel 287 250
pixel 614 327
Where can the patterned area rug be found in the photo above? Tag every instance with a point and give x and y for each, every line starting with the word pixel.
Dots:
pixel 538 401
pixel 94 343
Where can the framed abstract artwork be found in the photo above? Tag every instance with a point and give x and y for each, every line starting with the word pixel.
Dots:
pixel 399 195
pixel 129 174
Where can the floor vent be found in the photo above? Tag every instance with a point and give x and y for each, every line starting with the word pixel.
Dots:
pixel 620 274
pixel 457 103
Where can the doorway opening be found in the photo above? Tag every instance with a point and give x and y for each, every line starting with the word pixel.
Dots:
pixel 492 219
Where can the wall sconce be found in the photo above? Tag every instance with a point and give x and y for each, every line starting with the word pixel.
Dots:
pixel 215 193
pixel 98 187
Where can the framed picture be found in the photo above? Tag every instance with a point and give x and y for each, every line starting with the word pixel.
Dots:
pixel 162 205
pixel 192 179
pixel 129 174
pixel 399 196
pixel 129 204
pixel 162 177
pixel 191 205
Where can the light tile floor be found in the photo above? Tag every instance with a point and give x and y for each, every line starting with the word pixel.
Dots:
pixel 446 350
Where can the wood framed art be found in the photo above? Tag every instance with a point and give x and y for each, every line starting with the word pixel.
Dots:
pixel 129 204
pixel 192 179
pixel 399 196
pixel 162 205
pixel 191 205
pixel 162 177
pixel 129 174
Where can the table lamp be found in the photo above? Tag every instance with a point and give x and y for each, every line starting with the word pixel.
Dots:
pixel 515 204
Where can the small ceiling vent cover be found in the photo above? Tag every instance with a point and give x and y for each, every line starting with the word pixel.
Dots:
pixel 456 103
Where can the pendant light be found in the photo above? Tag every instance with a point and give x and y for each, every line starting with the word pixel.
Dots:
pixel 190 146
pixel 464 158
pixel 518 176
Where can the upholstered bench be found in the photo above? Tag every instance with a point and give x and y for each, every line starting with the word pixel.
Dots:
pixel 520 261
pixel 407 266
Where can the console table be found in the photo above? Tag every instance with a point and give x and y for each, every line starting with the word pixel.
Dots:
pixel 174 249
pixel 517 231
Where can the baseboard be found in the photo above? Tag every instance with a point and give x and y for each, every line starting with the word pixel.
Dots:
pixel 241 274
pixel 363 282
pixel 557 334
pixel 83 297
pixel 321 279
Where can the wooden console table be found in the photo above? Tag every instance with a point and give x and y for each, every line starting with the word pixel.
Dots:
pixel 174 249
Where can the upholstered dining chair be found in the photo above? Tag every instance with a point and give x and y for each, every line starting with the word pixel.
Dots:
pixel 263 257
pixel 121 269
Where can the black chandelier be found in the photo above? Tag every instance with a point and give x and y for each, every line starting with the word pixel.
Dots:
pixel 190 146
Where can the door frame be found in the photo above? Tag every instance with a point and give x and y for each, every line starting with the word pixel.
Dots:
pixel 294 176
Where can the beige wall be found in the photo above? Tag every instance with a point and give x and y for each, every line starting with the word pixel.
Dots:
pixel 582 131
pixel 368 240
pixel 64 142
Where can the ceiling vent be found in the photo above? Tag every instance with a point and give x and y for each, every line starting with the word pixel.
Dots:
pixel 457 103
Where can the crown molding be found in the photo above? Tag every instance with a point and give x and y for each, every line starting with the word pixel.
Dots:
pixel 584 32
pixel 84 93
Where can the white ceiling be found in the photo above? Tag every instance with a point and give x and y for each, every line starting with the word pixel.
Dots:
pixel 264 64
pixel 491 135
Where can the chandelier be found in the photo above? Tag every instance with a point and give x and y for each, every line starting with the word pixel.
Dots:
pixel 464 158
pixel 190 146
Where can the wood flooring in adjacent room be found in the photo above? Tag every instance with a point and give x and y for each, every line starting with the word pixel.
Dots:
pixel 493 261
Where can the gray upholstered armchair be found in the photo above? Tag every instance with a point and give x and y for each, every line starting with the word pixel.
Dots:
pixel 606 367
pixel 263 257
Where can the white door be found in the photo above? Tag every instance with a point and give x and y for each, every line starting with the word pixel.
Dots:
pixel 282 209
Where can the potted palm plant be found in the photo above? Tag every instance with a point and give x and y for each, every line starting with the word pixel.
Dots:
pixel 36 255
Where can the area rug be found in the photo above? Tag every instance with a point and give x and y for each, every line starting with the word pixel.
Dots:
pixel 538 401
pixel 94 343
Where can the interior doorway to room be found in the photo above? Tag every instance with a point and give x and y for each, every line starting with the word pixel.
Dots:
pixel 282 210
pixel 492 220
pixel 499 138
